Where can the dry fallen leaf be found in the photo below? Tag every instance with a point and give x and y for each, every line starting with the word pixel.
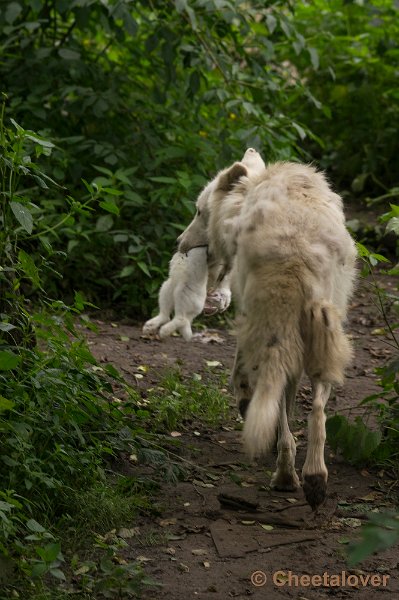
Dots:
pixel 267 527
pixel 372 497
pixel 175 434
pixel 202 484
pixel 351 522
pixel 143 559
pixel 167 522
pixel 213 363
pixel 82 570
pixel 207 564
pixel 199 552
pixel 125 533
pixel 184 568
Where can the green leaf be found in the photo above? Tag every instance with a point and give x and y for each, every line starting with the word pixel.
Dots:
pixel 300 130
pixel 33 525
pixel 314 57
pixel 39 569
pixel 271 22
pixel 50 552
pixel 23 216
pixel 68 54
pixel 112 191
pixel 110 207
pixel 127 271
pixel 12 11
pixel 110 369
pixel 163 179
pixel 58 574
pixel 104 223
pixel 8 360
pixel 144 268
pixel 29 268
pixel 5 404
pixel 7 327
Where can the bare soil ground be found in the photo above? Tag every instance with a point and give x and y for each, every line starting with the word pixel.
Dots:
pixel 223 523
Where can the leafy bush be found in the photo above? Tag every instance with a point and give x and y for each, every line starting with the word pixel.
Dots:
pixel 357 45
pixel 60 423
pixel 145 103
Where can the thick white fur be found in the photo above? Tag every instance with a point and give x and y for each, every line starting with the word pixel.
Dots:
pixel 184 292
pixel 280 231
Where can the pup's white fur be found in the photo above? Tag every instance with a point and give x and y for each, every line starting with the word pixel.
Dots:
pixel 280 232
pixel 184 292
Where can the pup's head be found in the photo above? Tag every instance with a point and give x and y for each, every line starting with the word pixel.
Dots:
pixel 196 234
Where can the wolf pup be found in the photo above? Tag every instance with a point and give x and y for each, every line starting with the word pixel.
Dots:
pixel 183 293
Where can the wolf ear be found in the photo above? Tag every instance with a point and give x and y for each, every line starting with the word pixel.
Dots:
pixel 228 178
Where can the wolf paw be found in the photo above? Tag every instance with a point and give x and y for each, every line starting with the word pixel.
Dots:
pixel 315 489
pixel 217 301
pixel 285 482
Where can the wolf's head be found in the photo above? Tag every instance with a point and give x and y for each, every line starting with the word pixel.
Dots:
pixel 196 234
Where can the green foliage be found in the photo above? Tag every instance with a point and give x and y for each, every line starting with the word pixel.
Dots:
pixel 356 441
pixel 358 46
pixel 155 98
pixel 60 422
pixel 380 533
pixel 176 402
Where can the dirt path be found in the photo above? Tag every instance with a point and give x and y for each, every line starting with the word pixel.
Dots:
pixel 205 546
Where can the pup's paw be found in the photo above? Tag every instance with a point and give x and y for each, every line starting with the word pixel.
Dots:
pixel 151 327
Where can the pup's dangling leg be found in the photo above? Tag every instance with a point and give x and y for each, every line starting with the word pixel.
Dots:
pixel 166 303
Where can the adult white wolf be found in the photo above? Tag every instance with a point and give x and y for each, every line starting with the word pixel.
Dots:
pixel 281 231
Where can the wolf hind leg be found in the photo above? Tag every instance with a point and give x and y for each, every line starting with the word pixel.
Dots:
pixel 314 472
pixel 240 384
pixel 285 477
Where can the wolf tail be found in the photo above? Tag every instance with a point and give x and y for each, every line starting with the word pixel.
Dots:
pixel 314 340
pixel 262 415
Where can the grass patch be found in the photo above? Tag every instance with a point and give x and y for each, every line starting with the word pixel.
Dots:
pixel 179 401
